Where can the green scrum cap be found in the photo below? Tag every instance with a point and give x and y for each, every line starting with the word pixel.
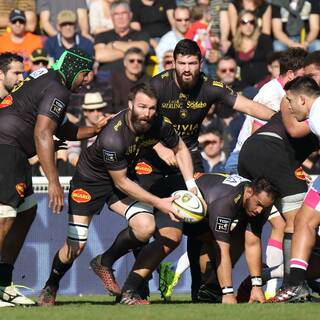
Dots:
pixel 71 63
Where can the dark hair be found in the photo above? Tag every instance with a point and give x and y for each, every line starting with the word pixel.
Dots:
pixel 143 87
pixel 312 58
pixel 292 59
pixel 225 58
pixel 187 47
pixel 305 85
pixel 261 184
pixel 6 58
pixel 135 50
pixel 274 56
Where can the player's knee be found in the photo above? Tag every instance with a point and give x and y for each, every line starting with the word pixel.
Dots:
pixel 77 239
pixel 143 226
pixel 171 238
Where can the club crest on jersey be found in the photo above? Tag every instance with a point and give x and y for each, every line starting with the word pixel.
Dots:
pixel 57 107
pixel 183 113
pixel 109 156
pixel 6 102
pixel 300 174
pixel 80 196
pixel 142 168
pixel 223 224
pixel 21 187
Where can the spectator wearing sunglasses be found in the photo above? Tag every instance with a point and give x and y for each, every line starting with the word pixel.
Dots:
pixel 67 37
pixel 123 81
pixel 181 16
pixel 18 40
pixel 250 48
pixel 39 59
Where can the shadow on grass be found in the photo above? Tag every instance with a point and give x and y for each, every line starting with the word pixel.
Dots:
pixel 89 302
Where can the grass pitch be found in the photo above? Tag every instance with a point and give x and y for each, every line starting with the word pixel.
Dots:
pixel 102 307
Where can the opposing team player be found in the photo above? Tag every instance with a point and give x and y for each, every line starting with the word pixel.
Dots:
pixel 30 115
pixel 303 95
pixel 185 96
pixel 102 176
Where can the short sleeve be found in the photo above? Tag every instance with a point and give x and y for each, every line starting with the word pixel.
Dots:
pixel 168 135
pixel 53 102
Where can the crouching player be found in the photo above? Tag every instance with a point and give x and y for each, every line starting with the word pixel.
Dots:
pixel 236 211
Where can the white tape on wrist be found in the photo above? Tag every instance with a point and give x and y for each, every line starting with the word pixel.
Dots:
pixel 256 281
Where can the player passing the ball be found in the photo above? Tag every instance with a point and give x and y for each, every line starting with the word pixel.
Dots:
pixel 103 176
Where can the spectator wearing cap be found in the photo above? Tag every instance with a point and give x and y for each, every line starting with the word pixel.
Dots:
pixel 122 82
pixel 213 157
pixel 39 59
pixel 49 10
pixel 18 40
pixel 29 8
pixel 67 36
pixel 93 109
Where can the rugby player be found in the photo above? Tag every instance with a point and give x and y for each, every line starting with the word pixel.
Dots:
pixel 185 96
pixel 303 96
pixel 103 176
pixel 30 115
pixel 235 216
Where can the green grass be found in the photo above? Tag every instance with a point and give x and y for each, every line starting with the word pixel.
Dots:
pixel 101 307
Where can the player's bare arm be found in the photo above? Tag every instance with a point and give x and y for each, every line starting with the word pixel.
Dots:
pixel 254 261
pixel 166 154
pixel 224 272
pixel 252 108
pixel 43 136
pixel 133 190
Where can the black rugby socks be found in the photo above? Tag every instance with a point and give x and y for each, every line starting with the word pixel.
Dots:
pixel 287 244
pixel 5 274
pixel 125 241
pixel 58 270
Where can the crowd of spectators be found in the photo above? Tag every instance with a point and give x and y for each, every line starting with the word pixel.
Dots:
pixel 132 40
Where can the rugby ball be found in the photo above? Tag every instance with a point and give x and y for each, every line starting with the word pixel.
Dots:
pixel 189 206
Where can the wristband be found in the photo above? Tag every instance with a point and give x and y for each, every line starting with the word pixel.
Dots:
pixel 227 290
pixel 191 183
pixel 256 281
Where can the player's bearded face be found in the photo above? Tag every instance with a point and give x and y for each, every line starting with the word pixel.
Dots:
pixel 143 110
pixel 187 70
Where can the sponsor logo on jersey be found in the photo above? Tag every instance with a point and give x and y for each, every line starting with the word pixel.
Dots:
pixel 142 168
pixel 117 125
pixel 80 196
pixel 109 156
pixel 183 113
pixel 300 174
pixel 217 84
pixel 57 107
pixel 21 187
pixel 223 224
pixel 165 75
pixel 6 102
pixel 237 198
pixel 36 74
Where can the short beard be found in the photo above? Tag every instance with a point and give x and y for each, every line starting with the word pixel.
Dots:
pixel 137 125
pixel 187 85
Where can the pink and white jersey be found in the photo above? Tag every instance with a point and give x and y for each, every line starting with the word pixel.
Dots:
pixel 270 95
pixel 314 118
pixel 312 198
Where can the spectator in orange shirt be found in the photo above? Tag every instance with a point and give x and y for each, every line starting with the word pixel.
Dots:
pixel 18 40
